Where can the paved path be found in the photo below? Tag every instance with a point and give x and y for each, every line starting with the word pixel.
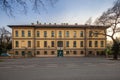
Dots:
pixel 79 68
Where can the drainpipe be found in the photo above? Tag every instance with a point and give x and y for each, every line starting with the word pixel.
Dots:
pixel 34 42
pixel 85 40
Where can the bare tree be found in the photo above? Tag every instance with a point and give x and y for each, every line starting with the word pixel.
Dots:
pixel 5 39
pixel 89 21
pixel 111 17
pixel 10 6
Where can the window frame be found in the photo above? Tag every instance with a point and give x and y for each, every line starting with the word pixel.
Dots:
pixel 29 43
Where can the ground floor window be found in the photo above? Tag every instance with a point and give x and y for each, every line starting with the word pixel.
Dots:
pixel 67 52
pixel 52 52
pixel 29 53
pixel 81 52
pixel 23 53
pixel 90 52
pixel 38 52
pixel 74 52
pixel 45 52
pixel 16 52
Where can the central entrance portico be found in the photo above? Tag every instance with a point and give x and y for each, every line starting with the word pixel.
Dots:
pixel 60 48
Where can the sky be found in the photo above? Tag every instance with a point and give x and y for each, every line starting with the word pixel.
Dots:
pixel 64 11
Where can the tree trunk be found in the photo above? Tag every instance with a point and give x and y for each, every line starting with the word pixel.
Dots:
pixel 115 49
pixel 115 56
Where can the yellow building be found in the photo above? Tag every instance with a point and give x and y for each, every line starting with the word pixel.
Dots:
pixel 57 40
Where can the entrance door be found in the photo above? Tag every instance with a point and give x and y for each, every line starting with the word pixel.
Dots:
pixel 60 53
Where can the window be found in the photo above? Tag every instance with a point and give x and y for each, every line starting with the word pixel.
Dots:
pixel 45 52
pixel 45 33
pixel 90 33
pixel 45 43
pixel 60 33
pixel 67 33
pixel 96 43
pixel 23 33
pixel 67 43
pixel 23 53
pixel 16 33
pixel 38 43
pixel 90 43
pixel 81 52
pixel 38 52
pixel 81 33
pixel 52 44
pixel 17 44
pixel 67 52
pixel 38 34
pixel 29 33
pixel 102 43
pixel 81 43
pixel 74 52
pixel 52 34
pixel 60 43
pixel 74 43
pixel 74 33
pixel 96 34
pixel 16 52
pixel 29 43
pixel 52 52
pixel 29 53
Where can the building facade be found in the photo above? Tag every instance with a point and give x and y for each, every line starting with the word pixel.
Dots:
pixel 58 40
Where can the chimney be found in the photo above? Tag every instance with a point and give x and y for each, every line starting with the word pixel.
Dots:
pixel 54 23
pixel 44 23
pixel 49 23
pixel 32 23
pixel 76 24
pixel 37 22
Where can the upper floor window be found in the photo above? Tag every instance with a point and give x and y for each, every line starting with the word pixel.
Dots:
pixel 74 33
pixel 23 33
pixel 38 34
pixel 45 43
pixel 60 33
pixel 96 34
pixel 67 43
pixel 29 33
pixel 96 43
pixel 60 43
pixel 102 43
pixel 74 43
pixel 81 33
pixel 67 33
pixel 29 43
pixel 16 33
pixel 90 43
pixel 52 44
pixel 45 33
pixel 52 34
pixel 38 43
pixel 90 33
pixel 81 43
pixel 17 44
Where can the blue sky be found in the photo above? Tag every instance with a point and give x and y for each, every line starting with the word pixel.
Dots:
pixel 64 11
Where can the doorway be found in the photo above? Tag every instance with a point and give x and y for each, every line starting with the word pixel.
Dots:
pixel 60 53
